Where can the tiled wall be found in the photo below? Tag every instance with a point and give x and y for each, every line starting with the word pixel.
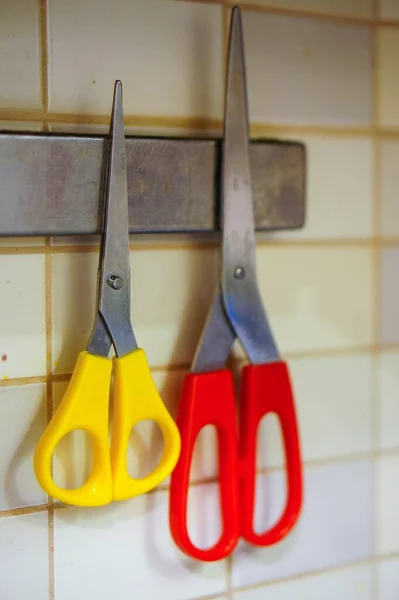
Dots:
pixel 321 71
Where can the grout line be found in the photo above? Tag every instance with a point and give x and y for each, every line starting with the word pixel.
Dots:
pixel 22 381
pixel 389 241
pixel 131 120
pixel 306 574
pixel 44 54
pixel 51 552
pixel 49 342
pixel 387 133
pixel 220 595
pixel 192 123
pixel 206 244
pixel 229 572
pixel 183 245
pixel 385 23
pixel 304 14
pixel 388 556
pixel 225 42
pixel 184 367
pixel 196 123
pixel 12 250
pixel 377 200
pixel 322 353
pixel 387 348
pixel 205 1
pixel 315 463
pixel 49 390
pixel 268 129
pixel 60 377
pixel 257 130
pixel 383 452
pixel 24 510
pixel 370 22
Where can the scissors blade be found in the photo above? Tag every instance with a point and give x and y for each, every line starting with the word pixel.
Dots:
pixel 216 341
pixel 241 295
pixel 114 270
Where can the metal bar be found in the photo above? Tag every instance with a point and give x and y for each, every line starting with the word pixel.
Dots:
pixel 50 184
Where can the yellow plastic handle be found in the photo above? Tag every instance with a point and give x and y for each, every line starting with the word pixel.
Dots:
pixel 85 405
pixel 136 399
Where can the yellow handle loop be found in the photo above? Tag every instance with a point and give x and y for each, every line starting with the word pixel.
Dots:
pixel 85 405
pixel 137 399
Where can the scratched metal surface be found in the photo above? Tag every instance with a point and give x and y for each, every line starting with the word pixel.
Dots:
pixel 50 184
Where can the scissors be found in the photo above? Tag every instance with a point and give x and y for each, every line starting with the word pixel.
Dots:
pixel 85 404
pixel 207 396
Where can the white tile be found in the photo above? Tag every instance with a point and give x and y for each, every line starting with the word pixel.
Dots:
pixel 288 58
pixel 346 584
pixel 303 299
pixel 20 55
pixel 168 56
pixel 134 550
pixel 22 316
pixel 302 292
pixel 73 296
pixel 22 421
pixel 388 86
pixel 389 9
pixel 168 330
pixel 24 557
pixel 333 397
pixel 389 210
pixel 388 579
pixel 335 528
pixel 350 8
pixel 389 295
pixel 387 490
pixel 388 393
pixel 338 188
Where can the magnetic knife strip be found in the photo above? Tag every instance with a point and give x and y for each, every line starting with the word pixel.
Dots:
pixel 50 184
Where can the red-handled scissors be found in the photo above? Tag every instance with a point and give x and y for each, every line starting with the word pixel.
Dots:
pixel 207 396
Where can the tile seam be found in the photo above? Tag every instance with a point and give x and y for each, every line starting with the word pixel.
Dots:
pixel 49 405
pixel 184 367
pixel 286 244
pixel 44 54
pixel 377 205
pixel 311 464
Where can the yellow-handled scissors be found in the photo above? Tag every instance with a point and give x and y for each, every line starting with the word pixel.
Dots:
pixel 85 404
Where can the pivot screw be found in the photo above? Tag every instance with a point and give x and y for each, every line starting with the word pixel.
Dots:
pixel 115 282
pixel 239 273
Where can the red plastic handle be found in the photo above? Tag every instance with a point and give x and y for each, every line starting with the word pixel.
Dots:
pixel 267 389
pixel 207 399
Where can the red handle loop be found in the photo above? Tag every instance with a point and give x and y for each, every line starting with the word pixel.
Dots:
pixel 267 389
pixel 207 399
